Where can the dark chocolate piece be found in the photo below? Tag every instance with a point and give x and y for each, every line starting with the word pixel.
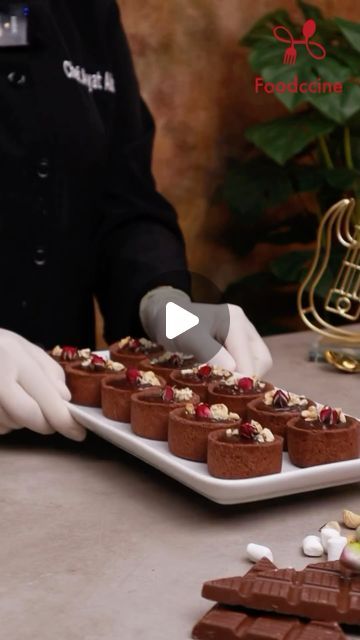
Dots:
pixel 322 591
pixel 221 623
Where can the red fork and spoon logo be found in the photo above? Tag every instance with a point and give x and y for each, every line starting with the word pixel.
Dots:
pixel 314 49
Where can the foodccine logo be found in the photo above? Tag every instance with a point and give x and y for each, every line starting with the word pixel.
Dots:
pixel 308 31
pixel 315 50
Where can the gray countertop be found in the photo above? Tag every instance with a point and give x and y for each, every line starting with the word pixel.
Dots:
pixel 96 545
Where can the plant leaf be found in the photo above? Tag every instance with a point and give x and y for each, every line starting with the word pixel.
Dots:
pixel 283 138
pixel 339 107
pixel 292 266
pixel 252 187
pixel 350 31
pixel 309 11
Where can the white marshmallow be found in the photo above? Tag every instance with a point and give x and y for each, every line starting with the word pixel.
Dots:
pixel 256 551
pixel 335 547
pixel 327 533
pixel 312 546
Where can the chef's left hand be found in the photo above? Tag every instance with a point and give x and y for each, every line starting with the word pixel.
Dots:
pixel 243 351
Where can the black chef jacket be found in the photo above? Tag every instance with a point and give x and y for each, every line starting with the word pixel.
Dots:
pixel 79 214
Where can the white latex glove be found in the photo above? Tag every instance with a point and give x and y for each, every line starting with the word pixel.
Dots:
pixel 243 351
pixel 33 393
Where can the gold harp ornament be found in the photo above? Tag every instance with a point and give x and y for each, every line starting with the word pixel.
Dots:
pixel 343 297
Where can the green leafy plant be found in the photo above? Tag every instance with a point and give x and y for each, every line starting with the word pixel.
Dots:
pixel 303 162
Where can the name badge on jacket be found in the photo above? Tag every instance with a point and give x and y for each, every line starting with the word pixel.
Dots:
pixel 14 24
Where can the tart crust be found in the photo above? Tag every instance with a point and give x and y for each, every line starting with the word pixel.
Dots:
pixel 150 418
pixel 188 438
pixel 234 460
pixel 309 446
pixel 115 401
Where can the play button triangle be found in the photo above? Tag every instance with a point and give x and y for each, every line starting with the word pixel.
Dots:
pixel 178 320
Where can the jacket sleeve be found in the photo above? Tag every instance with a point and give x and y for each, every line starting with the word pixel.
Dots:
pixel 139 241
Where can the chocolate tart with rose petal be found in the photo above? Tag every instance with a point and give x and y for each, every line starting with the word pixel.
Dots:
pixel 246 451
pixel 321 435
pixel 131 351
pixel 236 392
pixel 190 426
pixel 198 378
pixel 150 410
pixel 164 364
pixel 67 355
pixel 84 379
pixel 116 391
pixel 276 408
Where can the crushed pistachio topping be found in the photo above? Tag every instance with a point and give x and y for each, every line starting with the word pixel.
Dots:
pixel 218 412
pixel 324 414
pixel 97 363
pixel 137 344
pixel 253 431
pixel 84 354
pixel 182 395
pixel 207 370
pixel 149 378
pixel 124 342
pixel 281 398
pixel 114 366
pixel 70 353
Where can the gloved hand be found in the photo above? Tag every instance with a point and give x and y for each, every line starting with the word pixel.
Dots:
pixel 243 351
pixel 33 390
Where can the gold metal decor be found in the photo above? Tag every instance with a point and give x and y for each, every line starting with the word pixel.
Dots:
pixel 343 297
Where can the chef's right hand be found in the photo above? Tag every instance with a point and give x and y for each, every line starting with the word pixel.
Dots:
pixel 33 393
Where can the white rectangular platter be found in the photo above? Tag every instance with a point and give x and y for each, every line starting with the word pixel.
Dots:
pixel 195 475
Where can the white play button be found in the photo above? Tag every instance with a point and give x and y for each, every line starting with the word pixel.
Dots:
pixel 178 320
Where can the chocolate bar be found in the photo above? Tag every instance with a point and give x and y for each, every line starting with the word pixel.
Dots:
pixel 322 591
pixel 221 623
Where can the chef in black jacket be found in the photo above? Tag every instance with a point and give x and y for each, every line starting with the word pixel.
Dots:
pixel 80 215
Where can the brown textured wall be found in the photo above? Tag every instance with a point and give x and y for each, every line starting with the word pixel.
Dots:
pixel 197 83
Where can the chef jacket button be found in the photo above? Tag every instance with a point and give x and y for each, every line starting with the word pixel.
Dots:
pixel 43 168
pixel 17 79
pixel 40 257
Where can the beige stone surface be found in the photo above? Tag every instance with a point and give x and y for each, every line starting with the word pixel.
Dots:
pixel 95 545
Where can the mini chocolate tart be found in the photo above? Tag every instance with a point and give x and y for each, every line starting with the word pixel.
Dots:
pixel 166 363
pixel 150 410
pixel 116 391
pixel 276 408
pixel 198 378
pixel 190 426
pixel 321 435
pixel 131 351
pixel 247 451
pixel 237 392
pixel 84 379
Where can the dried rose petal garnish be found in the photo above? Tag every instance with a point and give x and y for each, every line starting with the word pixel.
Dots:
pixel 203 410
pixel 328 416
pixel 97 361
pixel 132 375
pixel 175 360
pixel 247 430
pixel 204 371
pixel 281 399
pixel 246 384
pixel 168 394
pixel 134 344
pixel 69 353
